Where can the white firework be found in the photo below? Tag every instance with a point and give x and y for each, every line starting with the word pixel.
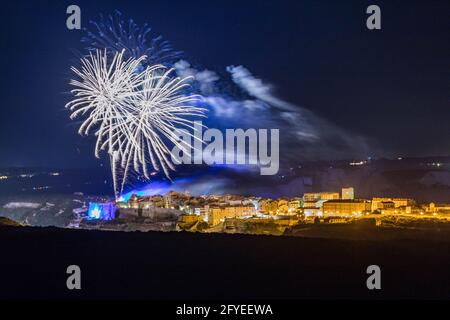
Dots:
pixel 135 114
pixel 104 92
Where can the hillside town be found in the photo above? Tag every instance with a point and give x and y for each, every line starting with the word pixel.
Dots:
pixel 228 213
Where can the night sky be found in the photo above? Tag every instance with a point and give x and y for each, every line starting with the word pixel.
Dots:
pixel 390 87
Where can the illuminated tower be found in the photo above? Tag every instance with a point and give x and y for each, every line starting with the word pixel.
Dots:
pixel 348 193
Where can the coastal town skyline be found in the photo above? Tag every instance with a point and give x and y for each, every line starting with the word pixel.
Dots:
pixel 234 213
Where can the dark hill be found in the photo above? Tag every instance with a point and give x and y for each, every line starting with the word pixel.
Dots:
pixel 6 222
pixel 215 266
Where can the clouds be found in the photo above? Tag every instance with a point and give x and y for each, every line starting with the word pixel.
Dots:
pixel 247 82
pixel 313 136
pixel 238 99
pixel 204 79
pixel 256 88
pixel 229 108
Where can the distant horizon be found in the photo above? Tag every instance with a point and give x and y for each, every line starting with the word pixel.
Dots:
pixel 306 161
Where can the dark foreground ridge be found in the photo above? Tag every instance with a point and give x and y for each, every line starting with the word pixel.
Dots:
pixel 158 265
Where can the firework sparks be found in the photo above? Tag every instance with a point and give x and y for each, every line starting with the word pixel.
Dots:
pixel 116 34
pixel 134 114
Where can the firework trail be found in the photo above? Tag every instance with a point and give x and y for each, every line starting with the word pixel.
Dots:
pixel 104 92
pixel 158 109
pixel 134 114
pixel 116 34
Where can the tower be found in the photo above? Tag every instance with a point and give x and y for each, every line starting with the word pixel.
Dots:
pixel 348 193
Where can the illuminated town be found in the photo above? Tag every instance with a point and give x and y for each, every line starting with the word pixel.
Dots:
pixel 256 215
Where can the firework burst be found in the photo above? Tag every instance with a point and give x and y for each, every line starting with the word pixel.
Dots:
pixel 116 34
pixel 134 114
pixel 104 92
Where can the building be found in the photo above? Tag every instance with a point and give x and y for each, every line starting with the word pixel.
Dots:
pixel 269 206
pixel 283 207
pixel 144 202
pixel 345 207
pixel 329 196
pixel 218 214
pixel 438 208
pixel 311 197
pixel 348 193
pixel 312 212
pixel 313 208
pixel 386 203
pixel 313 202
pixel 316 196
pixel 168 201
pixel 295 205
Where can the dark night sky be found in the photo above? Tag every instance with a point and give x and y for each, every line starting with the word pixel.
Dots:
pixel 390 86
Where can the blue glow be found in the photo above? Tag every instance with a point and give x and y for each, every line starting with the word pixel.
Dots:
pixel 161 187
pixel 151 189
pixel 95 213
pixel 195 184
pixel 101 211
